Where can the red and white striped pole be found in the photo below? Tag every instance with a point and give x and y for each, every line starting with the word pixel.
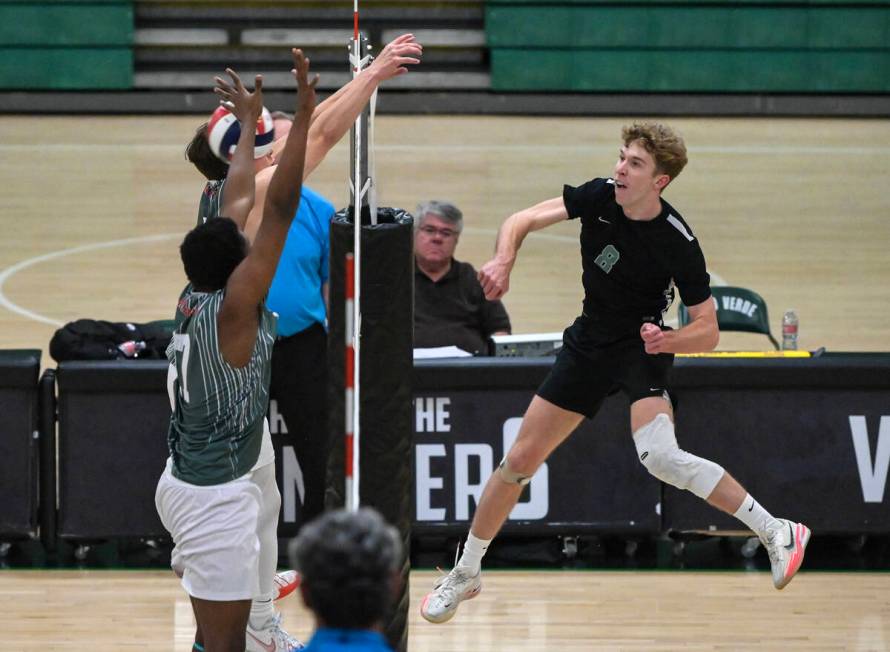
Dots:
pixel 353 304
pixel 355 20
pixel 351 456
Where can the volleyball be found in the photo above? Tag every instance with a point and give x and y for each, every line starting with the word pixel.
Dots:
pixel 224 130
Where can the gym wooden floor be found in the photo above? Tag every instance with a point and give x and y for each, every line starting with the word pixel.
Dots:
pixel 94 209
pixel 104 611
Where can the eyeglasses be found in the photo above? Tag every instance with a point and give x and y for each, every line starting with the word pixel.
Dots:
pixel 431 231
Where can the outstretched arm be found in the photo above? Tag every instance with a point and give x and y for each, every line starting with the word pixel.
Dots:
pixel 247 107
pixel 283 195
pixel 249 283
pixel 336 115
pixel 494 276
pixel 333 118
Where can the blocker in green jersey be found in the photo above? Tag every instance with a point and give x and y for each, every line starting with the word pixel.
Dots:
pixel 217 423
pixel 210 497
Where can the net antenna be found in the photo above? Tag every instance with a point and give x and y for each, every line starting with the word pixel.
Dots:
pixel 363 199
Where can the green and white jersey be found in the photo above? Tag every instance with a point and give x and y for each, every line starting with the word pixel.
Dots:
pixel 211 201
pixel 217 422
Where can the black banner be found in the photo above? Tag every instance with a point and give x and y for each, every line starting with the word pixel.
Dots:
pixel 591 482
pixel 810 439
pixel 817 456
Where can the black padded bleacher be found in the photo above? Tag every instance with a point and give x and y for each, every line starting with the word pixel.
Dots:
pixel 19 443
pixel 112 420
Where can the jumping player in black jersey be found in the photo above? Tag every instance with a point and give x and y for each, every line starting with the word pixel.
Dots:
pixel 635 249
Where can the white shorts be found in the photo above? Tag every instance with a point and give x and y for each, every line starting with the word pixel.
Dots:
pixel 214 529
pixel 267 452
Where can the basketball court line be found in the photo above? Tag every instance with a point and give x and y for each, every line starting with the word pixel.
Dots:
pixel 11 271
pixel 742 150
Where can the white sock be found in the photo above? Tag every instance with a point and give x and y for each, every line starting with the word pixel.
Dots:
pixel 752 514
pixel 261 612
pixel 474 550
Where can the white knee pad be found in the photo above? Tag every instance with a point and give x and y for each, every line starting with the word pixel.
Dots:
pixel 658 452
pixel 510 476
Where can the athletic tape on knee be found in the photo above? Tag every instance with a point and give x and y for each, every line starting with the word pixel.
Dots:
pixel 658 452
pixel 510 476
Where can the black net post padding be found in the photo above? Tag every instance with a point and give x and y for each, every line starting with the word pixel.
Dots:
pixel 386 367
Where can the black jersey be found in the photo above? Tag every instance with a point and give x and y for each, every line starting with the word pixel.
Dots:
pixel 630 267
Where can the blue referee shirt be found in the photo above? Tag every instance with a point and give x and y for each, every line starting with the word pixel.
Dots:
pixel 296 288
pixel 347 640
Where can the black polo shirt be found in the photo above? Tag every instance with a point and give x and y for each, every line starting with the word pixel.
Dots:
pixel 453 311
pixel 630 267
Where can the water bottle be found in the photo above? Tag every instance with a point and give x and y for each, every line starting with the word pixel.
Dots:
pixel 131 348
pixel 789 330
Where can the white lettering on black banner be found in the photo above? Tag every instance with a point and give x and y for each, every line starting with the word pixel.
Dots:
pixel 292 484
pixel 277 426
pixel 872 476
pixel 469 464
pixel 431 414
pixel 425 482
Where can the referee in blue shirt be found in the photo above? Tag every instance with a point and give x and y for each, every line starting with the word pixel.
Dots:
pixel 299 358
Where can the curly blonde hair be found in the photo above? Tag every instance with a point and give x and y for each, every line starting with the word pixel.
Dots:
pixel 665 145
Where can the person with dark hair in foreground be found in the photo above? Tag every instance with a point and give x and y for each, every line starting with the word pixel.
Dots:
pixel 349 564
pixel 210 496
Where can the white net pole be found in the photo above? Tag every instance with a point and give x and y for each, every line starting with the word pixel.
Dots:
pixel 372 177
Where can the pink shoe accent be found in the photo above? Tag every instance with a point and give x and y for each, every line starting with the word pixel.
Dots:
pixel 801 537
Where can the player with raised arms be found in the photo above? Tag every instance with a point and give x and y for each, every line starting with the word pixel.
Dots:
pixel 208 496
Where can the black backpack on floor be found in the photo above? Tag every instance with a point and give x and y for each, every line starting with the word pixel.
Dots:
pixel 92 339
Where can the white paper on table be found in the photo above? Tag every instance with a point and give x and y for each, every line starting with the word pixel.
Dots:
pixel 441 352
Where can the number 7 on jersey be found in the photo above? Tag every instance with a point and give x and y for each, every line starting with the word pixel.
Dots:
pixel 182 343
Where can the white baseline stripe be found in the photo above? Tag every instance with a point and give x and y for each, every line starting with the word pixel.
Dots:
pixel 9 272
pixel 706 149
pixel 743 150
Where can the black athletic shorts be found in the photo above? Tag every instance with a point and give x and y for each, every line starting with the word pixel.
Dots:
pixel 590 367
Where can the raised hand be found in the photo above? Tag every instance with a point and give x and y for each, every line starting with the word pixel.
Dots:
pixel 305 86
pixel 402 51
pixel 494 277
pixel 235 97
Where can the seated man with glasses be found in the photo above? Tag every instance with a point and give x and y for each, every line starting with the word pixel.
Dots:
pixel 450 308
